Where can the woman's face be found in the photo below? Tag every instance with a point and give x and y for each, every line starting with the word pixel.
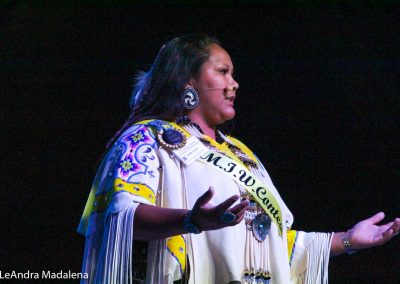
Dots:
pixel 216 87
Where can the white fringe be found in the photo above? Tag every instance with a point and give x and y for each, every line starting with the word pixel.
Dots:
pixel 318 251
pixel 108 256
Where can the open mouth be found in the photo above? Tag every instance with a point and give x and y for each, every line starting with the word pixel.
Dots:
pixel 231 98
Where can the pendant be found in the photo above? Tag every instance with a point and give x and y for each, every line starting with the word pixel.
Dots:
pixel 261 226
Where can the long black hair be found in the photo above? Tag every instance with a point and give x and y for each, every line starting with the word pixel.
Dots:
pixel 157 93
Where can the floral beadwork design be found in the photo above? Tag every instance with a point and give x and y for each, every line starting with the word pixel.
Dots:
pixel 138 137
pixel 137 155
pixel 127 165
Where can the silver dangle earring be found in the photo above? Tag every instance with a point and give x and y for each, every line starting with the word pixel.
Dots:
pixel 190 98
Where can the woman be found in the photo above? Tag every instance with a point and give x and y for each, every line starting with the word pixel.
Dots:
pixel 201 200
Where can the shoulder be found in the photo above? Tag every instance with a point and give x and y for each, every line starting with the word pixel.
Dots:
pixel 135 157
pixel 237 142
pixel 138 134
pixel 148 130
pixel 134 152
pixel 242 147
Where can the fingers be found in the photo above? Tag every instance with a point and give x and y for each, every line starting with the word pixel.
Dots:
pixel 377 218
pixel 222 207
pixel 396 225
pixel 240 208
pixel 205 198
pixel 386 227
pixel 239 219
pixel 386 236
pixel 392 228
pixel 239 211
pixel 388 230
pixel 388 233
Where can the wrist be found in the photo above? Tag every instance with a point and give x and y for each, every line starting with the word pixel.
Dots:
pixel 347 244
pixel 188 224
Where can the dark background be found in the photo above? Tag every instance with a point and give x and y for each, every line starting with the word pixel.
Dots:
pixel 318 103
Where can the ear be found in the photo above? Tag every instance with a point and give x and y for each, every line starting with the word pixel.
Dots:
pixel 189 85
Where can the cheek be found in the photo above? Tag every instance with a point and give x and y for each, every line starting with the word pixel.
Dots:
pixel 212 80
pixel 218 108
pixel 212 100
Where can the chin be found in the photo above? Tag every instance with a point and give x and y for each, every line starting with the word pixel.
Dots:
pixel 227 116
pixel 230 114
pixel 220 117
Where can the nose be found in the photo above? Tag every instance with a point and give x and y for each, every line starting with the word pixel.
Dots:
pixel 234 86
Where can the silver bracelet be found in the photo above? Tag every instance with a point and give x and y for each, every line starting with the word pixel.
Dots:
pixel 347 246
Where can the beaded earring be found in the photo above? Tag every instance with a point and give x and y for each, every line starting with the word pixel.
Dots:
pixel 190 98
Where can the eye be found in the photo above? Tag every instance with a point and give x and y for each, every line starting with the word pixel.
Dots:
pixel 223 71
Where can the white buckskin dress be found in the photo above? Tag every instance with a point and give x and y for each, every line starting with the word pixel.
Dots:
pixel 137 170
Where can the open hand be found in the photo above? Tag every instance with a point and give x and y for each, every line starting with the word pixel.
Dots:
pixel 208 217
pixel 368 233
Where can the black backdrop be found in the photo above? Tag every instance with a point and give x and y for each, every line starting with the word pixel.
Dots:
pixel 318 103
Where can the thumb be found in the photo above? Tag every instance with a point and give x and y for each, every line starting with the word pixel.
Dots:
pixel 376 218
pixel 203 200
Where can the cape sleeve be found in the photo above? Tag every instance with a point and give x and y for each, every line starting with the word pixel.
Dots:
pixel 309 256
pixel 128 175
